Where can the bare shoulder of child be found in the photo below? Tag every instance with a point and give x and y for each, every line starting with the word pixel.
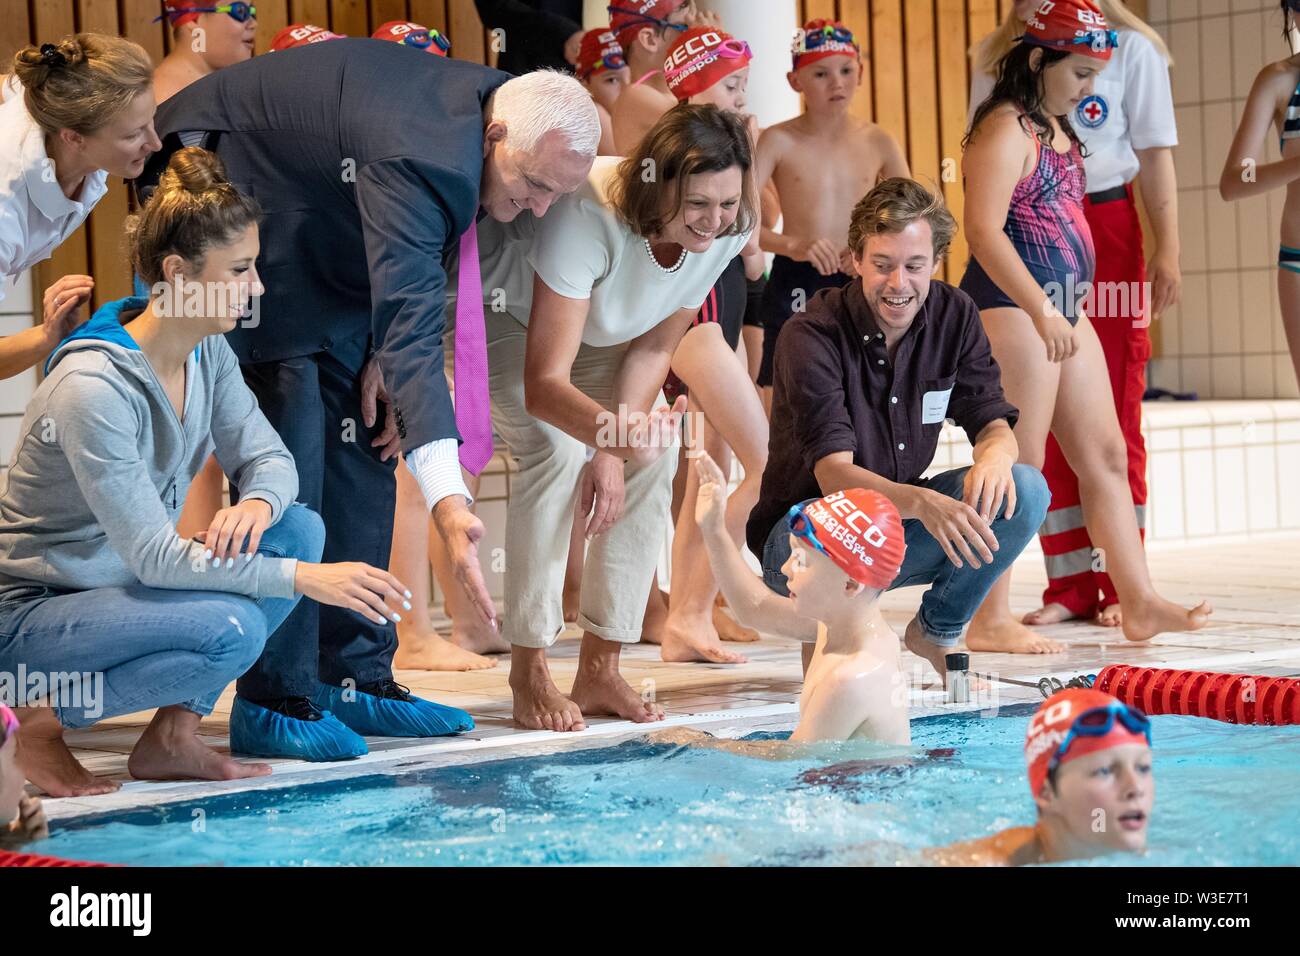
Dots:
pixel 635 111
pixel 1016 846
pixel 850 696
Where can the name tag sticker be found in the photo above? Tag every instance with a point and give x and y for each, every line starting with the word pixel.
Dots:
pixel 934 406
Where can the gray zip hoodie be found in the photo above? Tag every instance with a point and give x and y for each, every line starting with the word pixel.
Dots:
pixel 102 466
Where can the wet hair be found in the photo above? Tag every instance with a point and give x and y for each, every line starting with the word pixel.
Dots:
pixel 1020 83
pixel 688 140
pixel 82 82
pixel 193 209
pixel 895 204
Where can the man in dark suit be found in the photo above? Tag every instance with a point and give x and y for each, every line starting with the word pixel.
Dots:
pixel 371 161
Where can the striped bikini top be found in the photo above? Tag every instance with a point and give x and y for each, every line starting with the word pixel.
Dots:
pixel 1291 124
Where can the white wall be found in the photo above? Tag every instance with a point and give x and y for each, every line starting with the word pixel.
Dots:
pixel 15 315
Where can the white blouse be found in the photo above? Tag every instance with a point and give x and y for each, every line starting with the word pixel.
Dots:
pixel 35 215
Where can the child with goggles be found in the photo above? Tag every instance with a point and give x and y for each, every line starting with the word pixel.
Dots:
pixel 227 32
pixel 845 550
pixel 1089 763
pixel 603 70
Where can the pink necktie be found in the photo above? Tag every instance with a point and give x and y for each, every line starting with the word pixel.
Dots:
pixel 470 367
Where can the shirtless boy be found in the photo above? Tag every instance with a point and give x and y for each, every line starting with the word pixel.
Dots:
pixel 845 550
pixel 603 70
pixel 646 29
pixel 822 163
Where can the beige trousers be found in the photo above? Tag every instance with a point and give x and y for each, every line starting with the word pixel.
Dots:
pixel 621 562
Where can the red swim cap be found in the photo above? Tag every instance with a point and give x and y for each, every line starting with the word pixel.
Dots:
pixel 600 50
pixel 1052 721
pixel 859 530
pixel 822 38
pixel 1075 26
pixel 701 57
pixel 181 11
pixel 413 35
pixel 301 34
pixel 627 17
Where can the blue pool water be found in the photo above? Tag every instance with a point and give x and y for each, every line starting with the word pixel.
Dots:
pixel 1226 795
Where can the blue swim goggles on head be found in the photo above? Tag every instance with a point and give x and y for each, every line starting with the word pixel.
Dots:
pixel 646 18
pixel 426 39
pixel 239 10
pixel 1097 722
pixel 828 34
pixel 1099 40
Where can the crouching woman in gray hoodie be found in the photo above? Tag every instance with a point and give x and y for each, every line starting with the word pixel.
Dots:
pixel 104 609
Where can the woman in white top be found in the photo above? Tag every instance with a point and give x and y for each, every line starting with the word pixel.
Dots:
pixel 85 112
pixel 577 358
pixel 1128 132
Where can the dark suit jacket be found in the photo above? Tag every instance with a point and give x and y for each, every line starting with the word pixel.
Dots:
pixel 365 157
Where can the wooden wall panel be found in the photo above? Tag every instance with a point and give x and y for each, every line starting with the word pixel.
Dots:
pixel 15 33
pixel 432 13
pixel 954 91
pixel 349 17
pixel 887 67
pixel 466 31
pixel 316 12
pixel 272 17
pixel 137 24
pixel 381 11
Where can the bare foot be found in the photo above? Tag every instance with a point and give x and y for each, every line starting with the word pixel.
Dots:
pixel 602 691
pixel 1110 616
pixel 935 655
pixel 47 762
pixel 427 651
pixel 538 703
pixel 1144 622
pixel 1009 636
pixel 479 638
pixel 729 629
pixel 170 749
pixel 656 617
pixel 1049 614
pixel 692 638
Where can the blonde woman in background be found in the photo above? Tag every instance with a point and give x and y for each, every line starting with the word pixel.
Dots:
pixel 1127 129
pixel 74 113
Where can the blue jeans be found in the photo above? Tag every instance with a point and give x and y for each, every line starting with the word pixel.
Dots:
pixel 955 593
pixel 153 647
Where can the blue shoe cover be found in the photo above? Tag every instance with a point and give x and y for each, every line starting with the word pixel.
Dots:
pixel 374 716
pixel 260 732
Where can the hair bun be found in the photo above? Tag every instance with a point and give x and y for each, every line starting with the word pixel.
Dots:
pixel 33 65
pixel 194 170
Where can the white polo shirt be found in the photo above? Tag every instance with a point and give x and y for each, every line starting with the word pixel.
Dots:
pixel 35 216
pixel 1131 108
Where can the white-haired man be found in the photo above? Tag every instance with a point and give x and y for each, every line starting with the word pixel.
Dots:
pixel 371 161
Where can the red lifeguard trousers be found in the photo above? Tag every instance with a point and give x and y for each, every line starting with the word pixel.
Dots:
pixel 1072 580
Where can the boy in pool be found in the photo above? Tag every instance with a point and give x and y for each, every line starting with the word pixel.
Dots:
pixel 822 163
pixel 1089 759
pixel 21 817
pixel 845 550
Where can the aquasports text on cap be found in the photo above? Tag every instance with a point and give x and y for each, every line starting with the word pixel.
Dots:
pixel 701 57
pixel 860 530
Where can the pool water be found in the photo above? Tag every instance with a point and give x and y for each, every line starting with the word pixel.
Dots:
pixel 1226 795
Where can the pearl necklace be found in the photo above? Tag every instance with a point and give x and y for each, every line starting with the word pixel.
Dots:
pixel 666 270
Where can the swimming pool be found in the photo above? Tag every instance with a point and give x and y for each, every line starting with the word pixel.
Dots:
pixel 1226 795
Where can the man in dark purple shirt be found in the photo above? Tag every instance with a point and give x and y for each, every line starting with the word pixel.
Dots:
pixel 864 380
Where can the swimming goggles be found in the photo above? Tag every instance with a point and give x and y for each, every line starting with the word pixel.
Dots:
pixel 646 18
pixel 9 720
pixel 813 39
pixel 732 49
pixel 1097 722
pixel 1099 40
pixel 802 528
pixel 616 61
pixel 427 38
pixel 239 10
